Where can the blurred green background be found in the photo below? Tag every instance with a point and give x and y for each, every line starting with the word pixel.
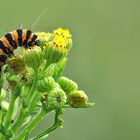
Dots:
pixel 105 61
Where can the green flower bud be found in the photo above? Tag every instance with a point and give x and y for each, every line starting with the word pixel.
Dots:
pixel 43 37
pixel 16 64
pixel 56 98
pixel 77 99
pixel 46 84
pixel 67 85
pixel 33 57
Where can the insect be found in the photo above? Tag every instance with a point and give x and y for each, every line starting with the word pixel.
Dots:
pixel 10 41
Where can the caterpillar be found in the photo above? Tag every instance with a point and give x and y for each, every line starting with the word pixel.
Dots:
pixel 10 41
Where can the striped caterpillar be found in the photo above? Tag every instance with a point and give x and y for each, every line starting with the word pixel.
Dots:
pixel 10 41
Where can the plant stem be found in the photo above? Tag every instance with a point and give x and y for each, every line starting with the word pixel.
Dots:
pixel 57 123
pixel 8 117
pixel 32 124
pixel 52 128
pixel 19 121
pixel 31 92
pixel 22 114
pixel 33 102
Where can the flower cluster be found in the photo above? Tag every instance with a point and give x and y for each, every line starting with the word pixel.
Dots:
pixel 32 86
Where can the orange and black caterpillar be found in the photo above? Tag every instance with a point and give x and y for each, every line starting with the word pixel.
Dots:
pixel 10 41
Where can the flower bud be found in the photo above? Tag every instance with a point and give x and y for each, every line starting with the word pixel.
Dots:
pixel 16 64
pixel 46 84
pixel 43 37
pixel 33 57
pixel 55 50
pixel 56 98
pixel 77 99
pixel 67 85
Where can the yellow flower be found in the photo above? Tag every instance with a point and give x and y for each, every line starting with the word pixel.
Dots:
pixel 55 45
pixel 55 50
pixel 59 42
pixel 65 34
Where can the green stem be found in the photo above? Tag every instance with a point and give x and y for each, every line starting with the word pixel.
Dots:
pixel 33 102
pixel 31 92
pixel 57 123
pixel 32 124
pixel 22 115
pixel 52 128
pixel 8 117
pixel 19 121
pixel 34 96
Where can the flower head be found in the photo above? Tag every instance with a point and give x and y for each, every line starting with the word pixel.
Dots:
pixel 67 85
pixel 64 33
pixel 55 50
pixel 46 84
pixel 33 57
pixel 77 99
pixel 56 98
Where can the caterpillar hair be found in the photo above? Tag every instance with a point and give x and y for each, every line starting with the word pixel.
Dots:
pixel 10 41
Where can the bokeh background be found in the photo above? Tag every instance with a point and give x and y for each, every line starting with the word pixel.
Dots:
pixel 105 61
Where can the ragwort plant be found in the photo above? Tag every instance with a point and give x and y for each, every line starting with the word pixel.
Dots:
pixel 32 86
